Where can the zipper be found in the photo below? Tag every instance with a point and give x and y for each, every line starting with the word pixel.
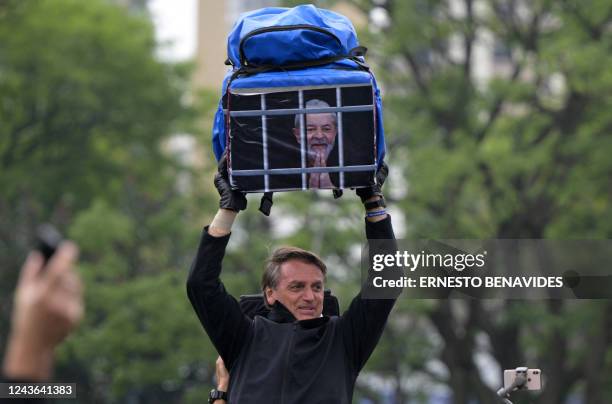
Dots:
pixel 243 59
pixel 287 363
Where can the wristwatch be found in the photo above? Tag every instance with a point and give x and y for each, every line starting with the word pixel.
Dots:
pixel 215 395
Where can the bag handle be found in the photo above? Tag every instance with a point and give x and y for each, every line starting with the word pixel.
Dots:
pixel 245 62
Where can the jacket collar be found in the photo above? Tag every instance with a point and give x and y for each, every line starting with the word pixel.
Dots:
pixel 280 314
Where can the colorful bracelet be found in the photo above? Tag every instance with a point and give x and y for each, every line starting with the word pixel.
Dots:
pixel 376 213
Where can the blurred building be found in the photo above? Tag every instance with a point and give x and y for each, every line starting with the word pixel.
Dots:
pixel 215 19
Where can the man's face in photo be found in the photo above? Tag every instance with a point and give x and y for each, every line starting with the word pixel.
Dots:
pixel 299 289
pixel 320 135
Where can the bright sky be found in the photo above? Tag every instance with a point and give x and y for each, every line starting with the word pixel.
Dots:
pixel 175 25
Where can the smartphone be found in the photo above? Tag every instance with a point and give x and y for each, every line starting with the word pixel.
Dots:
pixel 534 380
pixel 48 240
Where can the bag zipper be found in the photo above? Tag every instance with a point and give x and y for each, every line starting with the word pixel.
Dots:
pixel 243 59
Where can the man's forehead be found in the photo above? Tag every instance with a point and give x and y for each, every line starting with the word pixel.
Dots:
pixel 297 270
pixel 320 119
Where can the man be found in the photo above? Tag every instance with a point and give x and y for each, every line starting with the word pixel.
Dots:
pixel 321 130
pixel 294 355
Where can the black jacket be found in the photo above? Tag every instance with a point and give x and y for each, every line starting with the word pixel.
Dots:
pixel 278 359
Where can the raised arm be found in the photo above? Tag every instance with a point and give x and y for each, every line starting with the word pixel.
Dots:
pixel 48 305
pixel 365 319
pixel 217 310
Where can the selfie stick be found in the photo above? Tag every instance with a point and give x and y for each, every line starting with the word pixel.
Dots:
pixel 519 382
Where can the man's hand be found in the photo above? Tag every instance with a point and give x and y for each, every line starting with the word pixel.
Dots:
pixel 48 305
pixel 230 199
pixel 375 189
pixel 221 375
pixel 319 158
pixel 319 180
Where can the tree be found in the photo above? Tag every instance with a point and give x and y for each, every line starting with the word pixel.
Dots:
pixel 85 115
pixel 515 154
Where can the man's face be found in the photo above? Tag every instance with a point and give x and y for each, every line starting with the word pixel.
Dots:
pixel 299 289
pixel 320 134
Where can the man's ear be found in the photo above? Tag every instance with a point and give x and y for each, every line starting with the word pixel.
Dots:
pixel 296 133
pixel 269 296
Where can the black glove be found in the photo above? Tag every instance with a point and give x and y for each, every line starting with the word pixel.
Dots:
pixel 375 189
pixel 230 199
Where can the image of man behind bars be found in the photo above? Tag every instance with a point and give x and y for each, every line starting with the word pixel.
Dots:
pixel 320 134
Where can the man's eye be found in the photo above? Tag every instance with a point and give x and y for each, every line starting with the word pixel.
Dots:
pixel 317 288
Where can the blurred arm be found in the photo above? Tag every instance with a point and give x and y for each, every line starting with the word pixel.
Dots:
pixel 48 305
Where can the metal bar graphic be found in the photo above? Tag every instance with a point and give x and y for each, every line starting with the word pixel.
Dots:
pixel 294 111
pixel 340 135
pixel 264 130
pixel 269 90
pixel 308 170
pixel 303 140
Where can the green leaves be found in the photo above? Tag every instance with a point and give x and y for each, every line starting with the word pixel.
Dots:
pixel 85 113
pixel 499 120
pixel 79 80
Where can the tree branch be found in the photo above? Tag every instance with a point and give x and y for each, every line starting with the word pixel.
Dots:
pixel 468 40
pixel 416 72
pixel 497 105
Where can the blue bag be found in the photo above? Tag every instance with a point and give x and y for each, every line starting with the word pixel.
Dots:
pixel 300 108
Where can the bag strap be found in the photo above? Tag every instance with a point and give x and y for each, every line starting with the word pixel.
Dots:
pixel 266 203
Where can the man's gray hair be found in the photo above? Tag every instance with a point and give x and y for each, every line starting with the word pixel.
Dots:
pixel 316 103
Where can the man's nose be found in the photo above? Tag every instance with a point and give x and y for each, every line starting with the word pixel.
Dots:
pixel 318 139
pixel 318 132
pixel 308 295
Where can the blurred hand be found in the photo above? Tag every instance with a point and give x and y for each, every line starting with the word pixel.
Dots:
pixel 48 304
pixel 222 375
pixel 230 199
pixel 322 159
pixel 374 189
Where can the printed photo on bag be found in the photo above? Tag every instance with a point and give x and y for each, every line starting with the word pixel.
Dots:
pixel 306 139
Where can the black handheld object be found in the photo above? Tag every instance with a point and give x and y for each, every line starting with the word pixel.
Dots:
pixel 48 239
